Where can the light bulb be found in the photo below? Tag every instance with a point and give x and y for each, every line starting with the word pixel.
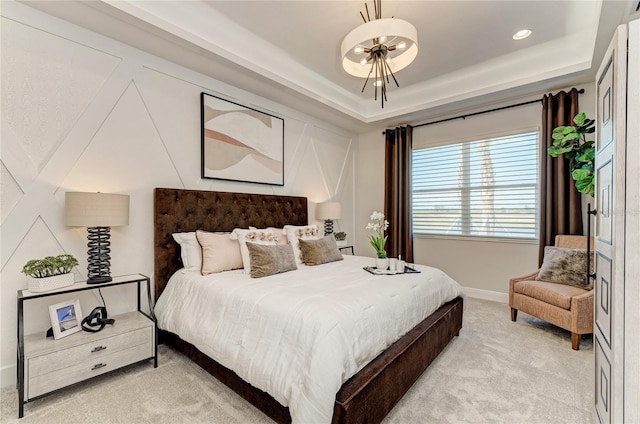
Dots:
pixel 522 34
pixel 383 38
pixel 401 45
pixel 358 50
pixel 363 61
pixel 377 83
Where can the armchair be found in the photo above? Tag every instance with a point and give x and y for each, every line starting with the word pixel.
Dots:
pixel 563 305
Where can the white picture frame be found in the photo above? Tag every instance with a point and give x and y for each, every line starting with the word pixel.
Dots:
pixel 66 318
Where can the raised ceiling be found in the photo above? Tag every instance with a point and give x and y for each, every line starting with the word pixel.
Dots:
pixel 289 51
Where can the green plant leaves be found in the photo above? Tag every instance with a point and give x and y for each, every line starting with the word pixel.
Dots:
pixel 49 266
pixel 580 118
pixel 571 142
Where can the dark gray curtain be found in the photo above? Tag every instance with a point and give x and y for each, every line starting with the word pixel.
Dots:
pixel 397 193
pixel 560 201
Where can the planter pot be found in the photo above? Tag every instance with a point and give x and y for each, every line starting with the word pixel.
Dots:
pixel 382 263
pixel 341 243
pixel 37 285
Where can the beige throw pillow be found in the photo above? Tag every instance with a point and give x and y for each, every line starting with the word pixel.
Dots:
pixel 565 266
pixel 219 252
pixel 243 236
pixel 316 252
pixel 270 259
pixel 300 232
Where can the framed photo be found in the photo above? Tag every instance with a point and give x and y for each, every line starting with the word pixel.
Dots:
pixel 240 143
pixel 66 318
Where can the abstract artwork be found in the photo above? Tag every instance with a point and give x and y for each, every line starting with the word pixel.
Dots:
pixel 240 143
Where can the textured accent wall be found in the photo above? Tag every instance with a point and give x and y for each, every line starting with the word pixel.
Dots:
pixel 81 112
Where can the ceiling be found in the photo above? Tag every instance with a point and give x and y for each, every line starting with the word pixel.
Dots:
pixel 289 51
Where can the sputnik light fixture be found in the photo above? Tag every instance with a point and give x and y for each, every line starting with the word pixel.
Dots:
pixel 379 48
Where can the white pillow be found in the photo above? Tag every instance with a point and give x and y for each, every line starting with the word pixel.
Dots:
pixel 297 232
pixel 190 250
pixel 266 237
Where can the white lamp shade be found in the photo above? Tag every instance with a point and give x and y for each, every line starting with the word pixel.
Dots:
pixel 328 210
pixel 96 209
pixel 396 30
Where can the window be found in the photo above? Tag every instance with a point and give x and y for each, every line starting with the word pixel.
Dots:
pixel 483 188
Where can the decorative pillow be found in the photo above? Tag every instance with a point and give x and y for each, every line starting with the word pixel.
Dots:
pixel 280 233
pixel 300 232
pixel 190 250
pixel 219 252
pixel 265 237
pixel 316 252
pixel 268 260
pixel 565 266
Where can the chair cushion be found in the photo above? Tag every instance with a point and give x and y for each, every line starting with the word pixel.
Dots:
pixel 553 293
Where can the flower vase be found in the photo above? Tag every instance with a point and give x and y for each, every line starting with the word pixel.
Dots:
pixel 382 263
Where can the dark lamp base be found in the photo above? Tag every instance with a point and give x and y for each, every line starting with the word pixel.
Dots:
pixel 99 280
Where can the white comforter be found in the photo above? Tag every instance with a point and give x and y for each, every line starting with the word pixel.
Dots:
pixel 300 335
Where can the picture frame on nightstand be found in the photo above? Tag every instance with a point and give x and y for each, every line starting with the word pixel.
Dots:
pixel 66 318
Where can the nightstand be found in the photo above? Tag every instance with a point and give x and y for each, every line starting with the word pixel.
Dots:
pixel 46 365
pixel 341 248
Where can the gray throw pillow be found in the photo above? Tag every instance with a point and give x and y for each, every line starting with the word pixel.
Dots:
pixel 565 266
pixel 322 251
pixel 270 259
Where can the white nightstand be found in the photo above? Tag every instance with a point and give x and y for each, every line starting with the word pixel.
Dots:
pixel 46 365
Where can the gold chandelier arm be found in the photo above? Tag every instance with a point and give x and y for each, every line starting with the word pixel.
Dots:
pixel 392 74
pixel 369 76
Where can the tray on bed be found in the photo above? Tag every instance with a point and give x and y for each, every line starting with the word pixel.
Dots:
pixel 376 271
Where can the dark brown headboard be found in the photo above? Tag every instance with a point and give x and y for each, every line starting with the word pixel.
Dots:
pixel 177 211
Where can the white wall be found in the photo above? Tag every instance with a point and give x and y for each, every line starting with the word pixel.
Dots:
pixel 81 112
pixel 483 267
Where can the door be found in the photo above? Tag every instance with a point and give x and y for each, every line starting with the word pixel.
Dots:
pixel 610 230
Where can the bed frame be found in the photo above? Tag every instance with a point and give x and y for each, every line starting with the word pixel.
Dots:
pixel 366 397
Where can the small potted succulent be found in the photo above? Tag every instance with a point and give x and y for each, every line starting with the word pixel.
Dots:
pixel 341 238
pixel 52 272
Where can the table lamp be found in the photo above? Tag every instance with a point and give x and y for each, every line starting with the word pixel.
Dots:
pixel 98 212
pixel 328 211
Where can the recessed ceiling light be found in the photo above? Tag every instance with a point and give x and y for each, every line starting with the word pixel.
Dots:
pixel 522 34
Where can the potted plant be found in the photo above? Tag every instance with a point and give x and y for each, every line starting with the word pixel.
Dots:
pixel 379 225
pixel 571 141
pixel 341 238
pixel 50 273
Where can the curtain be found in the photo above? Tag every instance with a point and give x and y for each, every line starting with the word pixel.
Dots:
pixel 560 201
pixel 397 192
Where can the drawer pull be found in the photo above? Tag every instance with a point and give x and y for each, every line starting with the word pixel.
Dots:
pixel 98 348
pixel 98 366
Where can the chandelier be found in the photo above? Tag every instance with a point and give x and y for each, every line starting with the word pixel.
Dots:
pixel 379 48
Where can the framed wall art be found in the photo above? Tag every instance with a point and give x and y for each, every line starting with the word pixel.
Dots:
pixel 65 318
pixel 240 143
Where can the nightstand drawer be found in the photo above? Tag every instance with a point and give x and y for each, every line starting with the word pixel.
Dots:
pixel 81 371
pixel 91 351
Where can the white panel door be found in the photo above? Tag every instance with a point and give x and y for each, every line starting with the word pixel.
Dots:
pixel 610 231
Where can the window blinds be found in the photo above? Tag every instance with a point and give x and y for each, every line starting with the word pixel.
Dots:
pixel 484 188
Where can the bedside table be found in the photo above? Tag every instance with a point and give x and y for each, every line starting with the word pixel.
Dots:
pixel 350 247
pixel 46 365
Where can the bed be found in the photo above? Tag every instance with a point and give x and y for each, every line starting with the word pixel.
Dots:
pixel 365 397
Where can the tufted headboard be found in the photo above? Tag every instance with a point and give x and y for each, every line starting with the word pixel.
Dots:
pixel 176 211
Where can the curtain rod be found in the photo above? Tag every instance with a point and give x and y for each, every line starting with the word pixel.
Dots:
pixel 581 91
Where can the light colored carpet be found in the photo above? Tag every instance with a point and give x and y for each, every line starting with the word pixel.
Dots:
pixel 496 371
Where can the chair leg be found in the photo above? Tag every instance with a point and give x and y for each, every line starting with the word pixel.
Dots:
pixel 575 341
pixel 514 314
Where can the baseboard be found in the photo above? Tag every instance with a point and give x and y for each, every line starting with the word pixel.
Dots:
pixel 8 376
pixel 486 294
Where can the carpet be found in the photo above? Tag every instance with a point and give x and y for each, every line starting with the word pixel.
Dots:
pixel 496 371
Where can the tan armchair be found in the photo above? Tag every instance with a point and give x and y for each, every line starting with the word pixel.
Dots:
pixel 567 307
